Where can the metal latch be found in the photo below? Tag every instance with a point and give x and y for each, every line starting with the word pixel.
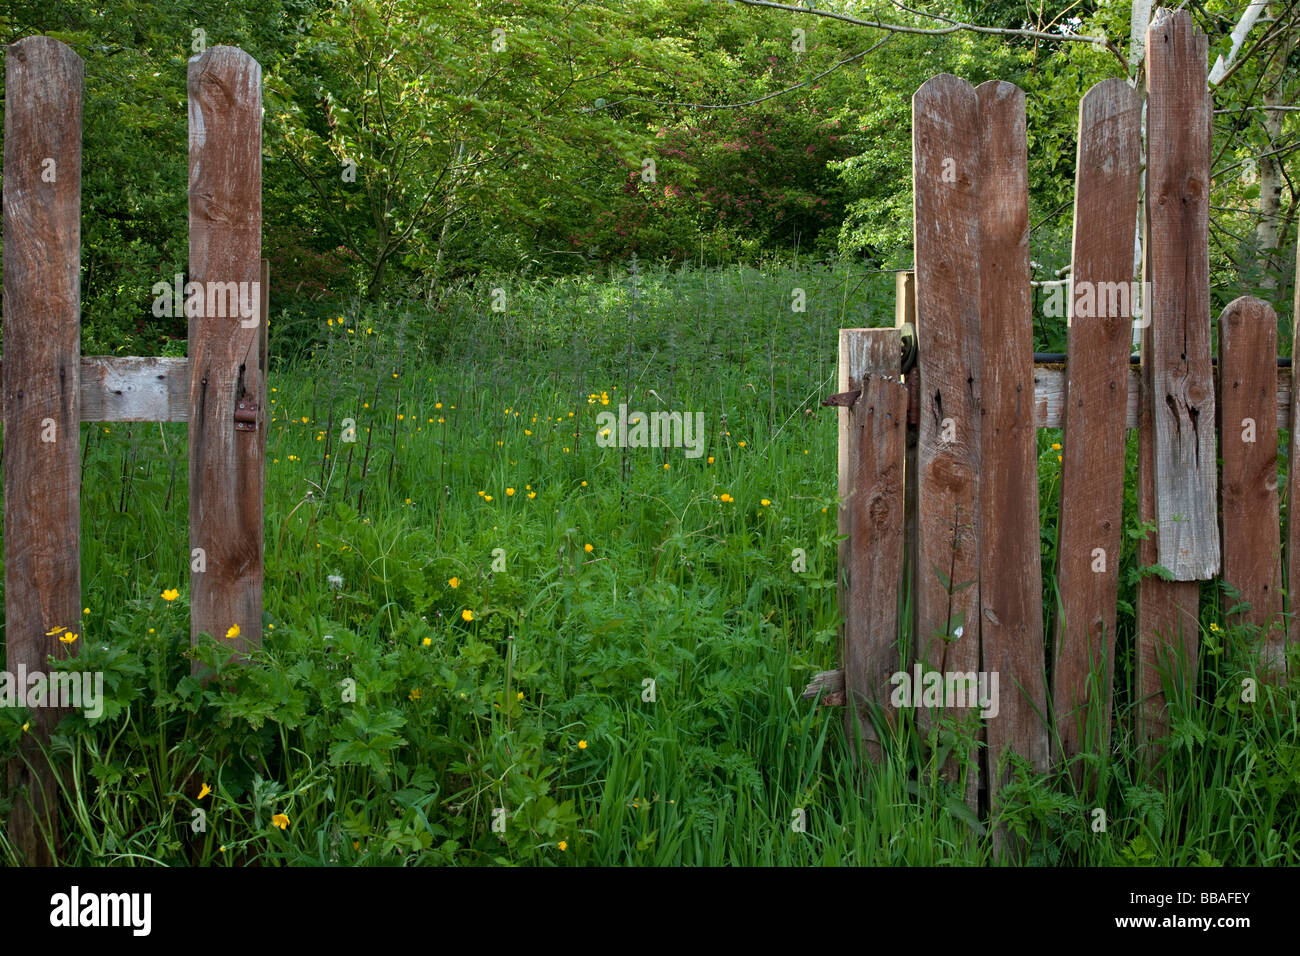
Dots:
pixel 245 416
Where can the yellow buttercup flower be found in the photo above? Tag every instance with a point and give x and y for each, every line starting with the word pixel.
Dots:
pixel 519 696
pixel 414 695
pixel 68 638
pixel 532 494
pixel 510 492
pixel 467 615
pixel 280 820
pixel 427 641
pixel 588 548
pixel 1056 446
pixel 563 846
pixel 204 791
pixel 582 745
pixel 453 582
pixel 232 632
pixel 58 630
pixel 171 594
pixel 765 502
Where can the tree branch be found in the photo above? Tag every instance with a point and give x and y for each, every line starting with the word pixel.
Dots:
pixel 954 26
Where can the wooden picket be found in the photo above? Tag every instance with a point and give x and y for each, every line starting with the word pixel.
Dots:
pixel 873 422
pixel 1252 533
pixel 1010 624
pixel 1292 405
pixel 1090 531
pixel 945 176
pixel 1177 454
pixel 49 388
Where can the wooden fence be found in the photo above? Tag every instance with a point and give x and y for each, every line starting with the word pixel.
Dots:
pixel 949 505
pixel 49 388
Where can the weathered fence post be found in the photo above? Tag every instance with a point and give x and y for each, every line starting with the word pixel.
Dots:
pixel 227 418
pixel 946 204
pixel 1293 472
pixel 1177 449
pixel 1010 626
pixel 872 433
pixel 1090 536
pixel 1252 538
pixel 42 399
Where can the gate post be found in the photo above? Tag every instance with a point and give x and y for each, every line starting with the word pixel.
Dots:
pixel 227 418
pixel 42 403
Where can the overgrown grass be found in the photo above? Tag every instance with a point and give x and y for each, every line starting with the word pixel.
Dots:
pixel 607 644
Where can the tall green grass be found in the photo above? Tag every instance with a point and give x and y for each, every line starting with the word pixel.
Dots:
pixel 634 702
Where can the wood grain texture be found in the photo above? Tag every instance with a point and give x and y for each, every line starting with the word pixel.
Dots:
pixel 945 176
pixel 135 389
pixel 1177 224
pixel 1094 412
pixel 227 478
pixel 873 433
pixel 1293 477
pixel 1176 461
pixel 1252 545
pixel 42 411
pixel 1168 642
pixel 1011 604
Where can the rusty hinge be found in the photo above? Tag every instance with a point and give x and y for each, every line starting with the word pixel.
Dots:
pixel 245 416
